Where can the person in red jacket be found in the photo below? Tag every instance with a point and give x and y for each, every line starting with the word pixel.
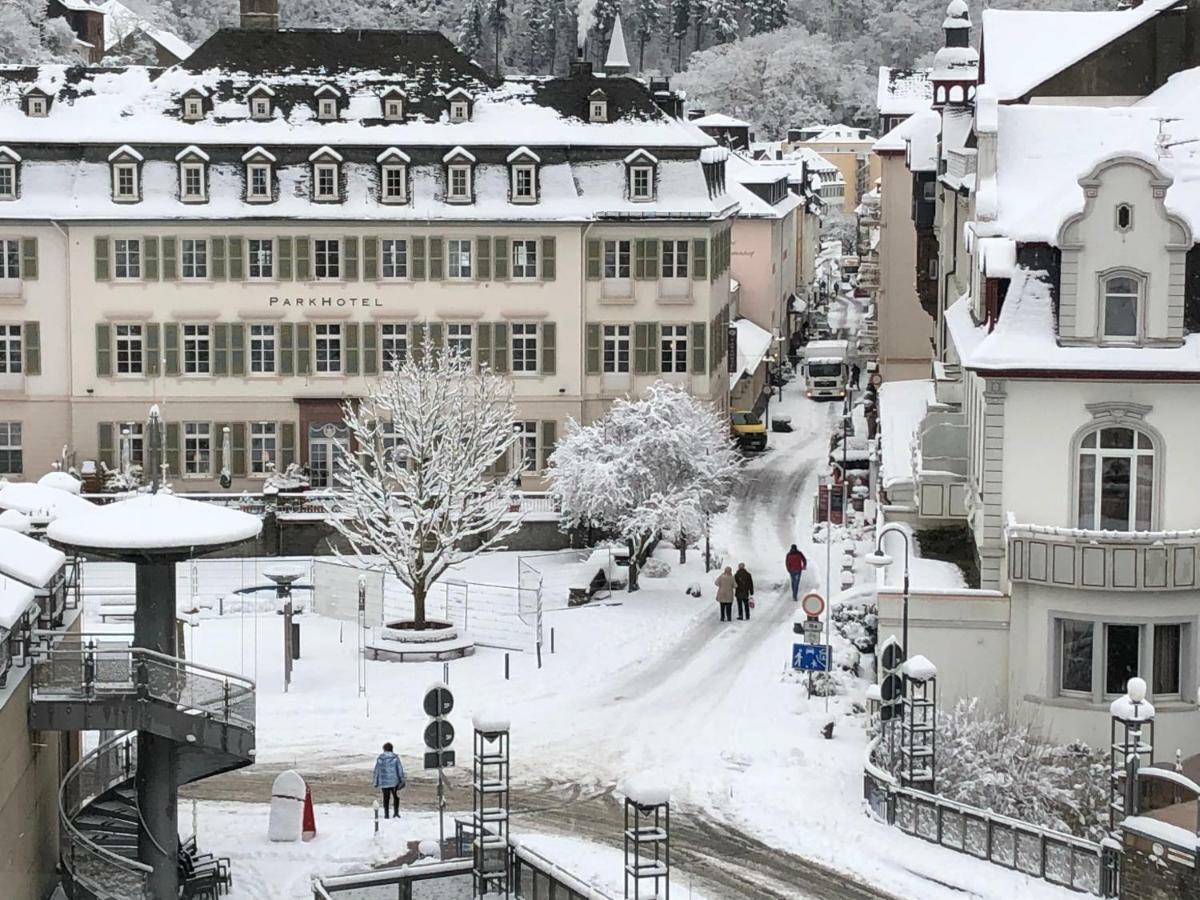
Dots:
pixel 796 564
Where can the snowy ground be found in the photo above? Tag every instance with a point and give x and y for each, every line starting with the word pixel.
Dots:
pixel 650 683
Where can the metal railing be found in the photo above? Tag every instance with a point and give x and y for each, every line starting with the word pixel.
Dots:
pixel 106 875
pixel 1058 858
pixel 91 667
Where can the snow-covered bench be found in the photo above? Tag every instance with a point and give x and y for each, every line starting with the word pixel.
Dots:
pixel 119 606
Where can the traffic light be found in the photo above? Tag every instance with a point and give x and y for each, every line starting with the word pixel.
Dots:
pixel 891 682
pixel 439 733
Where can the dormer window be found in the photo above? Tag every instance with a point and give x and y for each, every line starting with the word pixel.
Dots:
pixel 393 176
pixel 126 170
pixel 260 176
pixel 326 175
pixel 460 105
pixel 193 175
pixel 1124 217
pixel 1122 297
pixel 38 107
pixel 327 103
pixel 193 105
pixel 261 99
pixel 598 106
pixel 460 170
pixel 640 167
pixel 10 162
pixel 523 175
pixel 393 104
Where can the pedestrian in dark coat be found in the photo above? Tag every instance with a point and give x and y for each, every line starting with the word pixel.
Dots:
pixel 796 563
pixel 725 588
pixel 389 778
pixel 743 589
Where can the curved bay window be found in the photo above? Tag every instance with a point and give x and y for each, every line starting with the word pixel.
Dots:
pixel 1122 295
pixel 1116 480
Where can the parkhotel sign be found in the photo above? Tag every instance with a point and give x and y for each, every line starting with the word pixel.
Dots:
pixel 327 302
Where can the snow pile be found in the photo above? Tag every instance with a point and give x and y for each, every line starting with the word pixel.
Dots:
pixel 61 481
pixel 42 503
pixel 1157 830
pixel 153 522
pixel 902 408
pixel 1126 710
pixel 490 722
pixel 28 560
pixel 15 599
pixel 645 791
pixel 16 521
pixel 919 668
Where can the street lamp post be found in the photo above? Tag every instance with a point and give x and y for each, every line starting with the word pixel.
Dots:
pixel 880 559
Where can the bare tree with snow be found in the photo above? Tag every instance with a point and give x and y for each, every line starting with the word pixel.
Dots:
pixel 655 467
pixel 431 473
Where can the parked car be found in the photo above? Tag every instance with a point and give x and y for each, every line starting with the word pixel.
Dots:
pixel 749 430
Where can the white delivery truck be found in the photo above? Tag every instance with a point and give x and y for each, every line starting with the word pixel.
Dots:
pixel 826 369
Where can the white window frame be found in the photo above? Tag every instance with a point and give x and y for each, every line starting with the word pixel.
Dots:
pixel 457 169
pixel 528 445
pixel 393 183
pixel 137 441
pixel 1138 296
pixel 673 348
pixel 265 170
pixel 8 173
pixel 460 258
pixel 197 442
pixel 199 259
pixel 327 259
pixel 320 171
pixel 327 109
pixel 522 261
pixel 393 259
pixel 460 111
pixel 135 346
pixel 193 109
pixel 525 345
pixel 260 108
pixel 529 195
pixel 616 341
pixel 635 192
pixel 394 345
pixel 598 110
pixel 39 108
pixel 1145 447
pixel 264 442
pixel 186 171
pixel 12 350
pixel 1098 688
pixel 679 254
pixel 328 338
pixel 196 349
pixel 129 169
pixel 393 109
pixel 254 258
pixel 12 453
pixel 264 347
pixel 621 249
pixel 127 259
pixel 10 259
pixel 460 338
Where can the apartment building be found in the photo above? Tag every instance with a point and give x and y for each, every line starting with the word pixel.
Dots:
pixel 247 238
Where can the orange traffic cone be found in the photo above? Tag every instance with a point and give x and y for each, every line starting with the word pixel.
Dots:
pixel 309 829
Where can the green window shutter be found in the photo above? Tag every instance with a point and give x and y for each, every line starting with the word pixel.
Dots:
pixel 238 446
pixel 303 348
pixel 436 260
pixel 31 333
pixel 220 359
pixel 287 349
pixel 237 348
pixel 371 258
pixel 416 248
pixel 549 438
pixel 501 257
pixel 284 270
pixel 237 269
pixel 350 259
pixel 170 263
pixel 172 441
pixel 350 342
pixel 416 340
pixel 652 269
pixel 103 349
pixel 652 348
pixel 287 444
pixel 549 263
pixel 592 349
pixel 170 348
pixel 641 340
pixel 500 347
pixel 217 251
pixel 102 265
pixel 106 445
pixel 435 335
pixel 150 258
pixel 639 259
pixel 29 259
pixel 593 259
pixel 699 259
pixel 150 330
pixel 483 258
pixel 549 348
pixel 483 344
pixel 301 260
pixel 370 348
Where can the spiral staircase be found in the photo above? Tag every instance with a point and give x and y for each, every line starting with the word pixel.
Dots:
pixel 202 717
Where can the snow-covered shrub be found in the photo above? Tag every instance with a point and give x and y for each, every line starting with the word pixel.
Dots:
pixel 656 568
pixel 118 482
pixel 858 624
pixel 986 759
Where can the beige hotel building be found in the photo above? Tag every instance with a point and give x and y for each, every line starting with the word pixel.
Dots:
pixel 246 239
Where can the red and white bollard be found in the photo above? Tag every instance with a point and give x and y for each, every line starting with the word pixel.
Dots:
pixel 309 829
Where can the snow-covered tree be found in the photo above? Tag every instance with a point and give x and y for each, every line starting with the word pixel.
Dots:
pixel 541 24
pixel 681 23
pixel 497 23
pixel 603 14
pixel 766 15
pixel 647 17
pixel 721 19
pixel 654 467
pixel 431 476
pixel 470 32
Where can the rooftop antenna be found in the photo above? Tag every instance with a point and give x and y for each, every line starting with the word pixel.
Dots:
pixel 1163 142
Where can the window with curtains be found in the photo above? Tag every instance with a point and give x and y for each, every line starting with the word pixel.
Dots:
pixel 524 259
pixel 1167 661
pixel 197 449
pixel 263 447
pixel 1096 659
pixel 1116 480
pixel 1076 647
pixel 458 257
pixel 1122 299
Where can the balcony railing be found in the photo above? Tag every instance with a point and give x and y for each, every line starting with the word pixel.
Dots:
pixel 1103 560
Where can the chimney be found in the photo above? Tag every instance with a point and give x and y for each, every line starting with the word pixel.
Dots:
pixel 695 113
pixel 260 15
pixel 580 65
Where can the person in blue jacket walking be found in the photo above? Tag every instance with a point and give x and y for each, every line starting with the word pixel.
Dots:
pixel 389 777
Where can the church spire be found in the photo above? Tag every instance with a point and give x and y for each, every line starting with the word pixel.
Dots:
pixel 617 62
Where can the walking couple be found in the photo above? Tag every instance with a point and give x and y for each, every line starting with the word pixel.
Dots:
pixel 732 586
pixel 389 778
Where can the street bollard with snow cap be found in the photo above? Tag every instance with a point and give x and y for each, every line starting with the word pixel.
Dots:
pixel 287 807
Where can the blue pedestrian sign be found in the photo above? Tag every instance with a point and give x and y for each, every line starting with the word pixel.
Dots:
pixel 811 657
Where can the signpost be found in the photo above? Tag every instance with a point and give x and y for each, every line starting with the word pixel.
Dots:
pixel 439 735
pixel 811 657
pixel 813 604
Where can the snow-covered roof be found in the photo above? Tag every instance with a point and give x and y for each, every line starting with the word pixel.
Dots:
pixel 79 6
pixel 719 120
pixel 902 407
pixel 1158 830
pixel 15 600
pixel 121 22
pixel 753 345
pixel 901 92
pixel 917 135
pixel 28 560
pixel 153 522
pixel 839 134
pixel 40 502
pixel 918 668
pixel 1024 47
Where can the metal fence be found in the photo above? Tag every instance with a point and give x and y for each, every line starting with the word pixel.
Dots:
pixel 1060 859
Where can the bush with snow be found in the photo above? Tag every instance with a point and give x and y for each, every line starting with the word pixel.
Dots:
pixel 857 623
pixel 656 568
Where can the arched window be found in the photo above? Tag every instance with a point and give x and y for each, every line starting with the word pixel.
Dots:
pixel 1122 300
pixel 1116 479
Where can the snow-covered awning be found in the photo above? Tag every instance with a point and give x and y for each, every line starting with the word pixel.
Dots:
pixel 753 345
pixel 28 560
pixel 125 150
pixel 154 522
pixel 258 153
pixel 325 152
pixel 392 153
pixel 15 601
pixel 641 154
pixel 41 503
pixel 522 153
pixel 10 153
pixel 459 153
pixel 193 150
pixel 902 408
